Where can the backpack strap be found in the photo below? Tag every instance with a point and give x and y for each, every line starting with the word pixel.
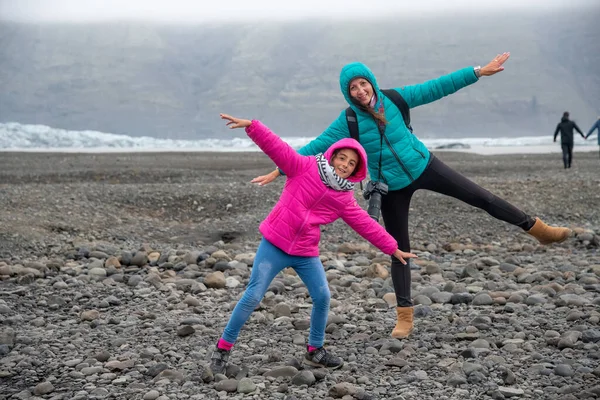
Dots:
pixel 353 128
pixel 352 123
pixel 395 97
pixel 402 105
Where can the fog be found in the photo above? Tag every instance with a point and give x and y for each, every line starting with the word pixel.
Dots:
pixel 235 10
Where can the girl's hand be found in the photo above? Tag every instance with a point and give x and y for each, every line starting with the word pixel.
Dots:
pixel 266 179
pixel 495 65
pixel 401 255
pixel 235 122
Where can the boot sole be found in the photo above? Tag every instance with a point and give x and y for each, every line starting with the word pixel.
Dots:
pixel 400 336
pixel 317 365
pixel 570 234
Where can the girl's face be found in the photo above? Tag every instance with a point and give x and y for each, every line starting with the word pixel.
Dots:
pixel 361 90
pixel 344 162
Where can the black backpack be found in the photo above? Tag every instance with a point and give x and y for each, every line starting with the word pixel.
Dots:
pixel 391 94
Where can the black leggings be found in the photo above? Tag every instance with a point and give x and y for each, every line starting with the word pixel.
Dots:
pixel 567 149
pixel 439 178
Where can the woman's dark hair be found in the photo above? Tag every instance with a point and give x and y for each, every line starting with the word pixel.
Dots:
pixel 356 167
pixel 378 117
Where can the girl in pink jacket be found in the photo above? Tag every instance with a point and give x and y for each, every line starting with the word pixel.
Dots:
pixel 319 190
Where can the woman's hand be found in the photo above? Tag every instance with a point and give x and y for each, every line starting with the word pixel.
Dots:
pixel 236 122
pixel 401 255
pixel 266 179
pixel 495 65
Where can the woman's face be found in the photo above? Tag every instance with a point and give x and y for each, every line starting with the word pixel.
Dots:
pixel 361 90
pixel 344 162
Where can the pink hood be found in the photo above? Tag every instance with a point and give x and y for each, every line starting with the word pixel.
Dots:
pixel 361 172
pixel 306 203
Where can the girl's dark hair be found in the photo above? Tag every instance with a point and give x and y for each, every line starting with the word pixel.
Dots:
pixel 356 167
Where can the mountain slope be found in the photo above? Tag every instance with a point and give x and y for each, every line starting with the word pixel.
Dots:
pixel 172 81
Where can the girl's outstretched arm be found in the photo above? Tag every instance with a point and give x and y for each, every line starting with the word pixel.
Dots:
pixel 273 146
pixel 336 131
pixel 359 220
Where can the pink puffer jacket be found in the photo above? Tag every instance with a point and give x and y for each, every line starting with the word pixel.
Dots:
pixel 306 203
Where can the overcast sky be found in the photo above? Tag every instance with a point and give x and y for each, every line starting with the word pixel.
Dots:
pixel 229 10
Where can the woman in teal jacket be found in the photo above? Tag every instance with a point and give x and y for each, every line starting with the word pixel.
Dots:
pixel 399 159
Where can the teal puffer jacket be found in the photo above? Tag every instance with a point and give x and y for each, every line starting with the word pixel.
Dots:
pixel 411 156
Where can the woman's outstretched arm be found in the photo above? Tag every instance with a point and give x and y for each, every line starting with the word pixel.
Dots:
pixel 435 89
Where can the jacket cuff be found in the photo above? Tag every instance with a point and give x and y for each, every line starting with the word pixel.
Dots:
pixel 476 72
pixel 250 129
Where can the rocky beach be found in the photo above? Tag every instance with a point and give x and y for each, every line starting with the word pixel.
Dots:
pixel 119 271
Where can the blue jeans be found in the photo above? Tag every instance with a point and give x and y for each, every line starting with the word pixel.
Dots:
pixel 269 261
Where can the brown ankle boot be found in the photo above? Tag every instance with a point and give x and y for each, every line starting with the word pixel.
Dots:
pixel 404 326
pixel 548 234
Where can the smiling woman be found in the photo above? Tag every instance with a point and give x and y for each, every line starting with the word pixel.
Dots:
pixel 401 164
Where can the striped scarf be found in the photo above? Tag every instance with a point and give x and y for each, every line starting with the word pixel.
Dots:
pixel 330 178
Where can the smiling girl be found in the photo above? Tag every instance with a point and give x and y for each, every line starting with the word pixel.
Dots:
pixel 318 191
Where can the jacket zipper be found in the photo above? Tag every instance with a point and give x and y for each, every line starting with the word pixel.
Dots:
pixel 419 151
pixel 305 219
pixel 406 171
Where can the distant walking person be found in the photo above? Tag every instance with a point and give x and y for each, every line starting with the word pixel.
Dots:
pixel 595 126
pixel 565 127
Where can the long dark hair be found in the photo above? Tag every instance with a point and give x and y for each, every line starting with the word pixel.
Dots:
pixel 377 116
